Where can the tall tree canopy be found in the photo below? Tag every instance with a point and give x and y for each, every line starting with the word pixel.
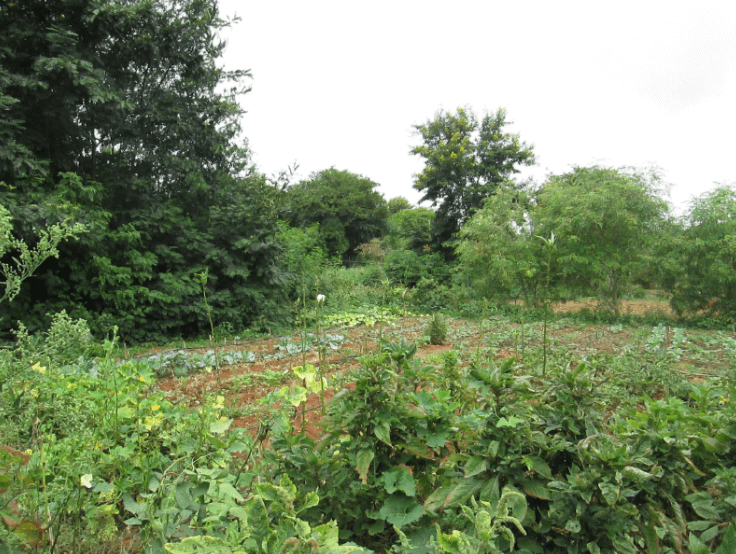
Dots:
pixel 465 160
pixel 606 222
pixel 116 113
pixel 700 259
pixel 349 209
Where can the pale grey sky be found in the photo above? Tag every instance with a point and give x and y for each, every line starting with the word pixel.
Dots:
pixel 340 83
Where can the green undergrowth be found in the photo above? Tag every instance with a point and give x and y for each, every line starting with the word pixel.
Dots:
pixel 462 453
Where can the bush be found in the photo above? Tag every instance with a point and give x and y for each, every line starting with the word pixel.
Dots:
pixel 430 294
pixel 406 267
pixel 437 329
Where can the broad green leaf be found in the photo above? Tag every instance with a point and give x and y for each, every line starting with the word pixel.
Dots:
pixel 492 449
pixel 475 465
pixel 30 532
pixel 132 506
pixel 610 492
pixel 516 505
pixel 305 372
pixel 438 438
pixel 535 489
pixel 453 544
pixel 239 512
pixel 573 525
pixel 637 475
pixel 512 421
pixel 219 427
pixel 399 479
pixel 541 467
pixel 400 510
pixel 303 530
pixel 104 487
pixel 382 431
pixel 728 544
pixel 457 493
pixel 226 489
pixel 363 461
pixel 696 546
pixel 650 537
pixel 310 501
pixel 699 525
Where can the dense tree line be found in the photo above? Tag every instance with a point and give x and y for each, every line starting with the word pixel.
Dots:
pixel 117 116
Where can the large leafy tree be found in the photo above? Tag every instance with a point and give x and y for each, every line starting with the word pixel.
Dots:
pixel 606 221
pixel 411 229
pixel 498 252
pixel 700 268
pixel 117 114
pixel 349 209
pixel 465 160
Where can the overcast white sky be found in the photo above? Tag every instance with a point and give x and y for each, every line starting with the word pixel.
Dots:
pixel 340 83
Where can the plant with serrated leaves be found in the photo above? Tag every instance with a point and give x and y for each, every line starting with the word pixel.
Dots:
pixel 491 526
pixel 265 522
pixel 501 443
pixel 382 445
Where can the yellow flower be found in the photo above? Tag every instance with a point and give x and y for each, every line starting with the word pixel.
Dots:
pixel 155 407
pixel 37 367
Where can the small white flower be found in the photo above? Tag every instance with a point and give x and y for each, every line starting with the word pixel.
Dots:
pixel 320 298
pixel 86 480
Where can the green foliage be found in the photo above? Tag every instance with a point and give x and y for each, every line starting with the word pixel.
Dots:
pixel 701 259
pixel 26 260
pixel 123 121
pixel 383 440
pixel 407 268
pixel 437 329
pixel 268 522
pixel 465 160
pixel 497 251
pixel 398 204
pixel 491 526
pixel 606 222
pixel 349 210
pixel 411 229
pixel 485 456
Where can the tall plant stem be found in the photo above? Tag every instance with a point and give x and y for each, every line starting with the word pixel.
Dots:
pixel 549 244
pixel 203 280
pixel 320 355
pixel 304 348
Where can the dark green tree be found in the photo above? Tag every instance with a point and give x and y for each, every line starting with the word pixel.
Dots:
pixel 411 230
pixel 349 210
pixel 700 258
pixel 117 115
pixel 465 160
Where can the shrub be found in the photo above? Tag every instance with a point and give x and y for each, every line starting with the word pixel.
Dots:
pixel 437 329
